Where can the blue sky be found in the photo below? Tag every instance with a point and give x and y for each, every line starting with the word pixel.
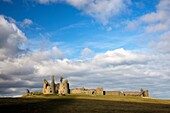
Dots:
pixel 61 22
pixel 119 42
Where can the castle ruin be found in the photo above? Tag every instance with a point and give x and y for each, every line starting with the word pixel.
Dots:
pixel 62 88
pixel 56 88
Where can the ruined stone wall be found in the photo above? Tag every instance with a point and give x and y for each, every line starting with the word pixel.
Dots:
pixel 81 91
pixel 146 93
pixel 90 91
pixel 116 93
pixel 49 88
pixel 57 87
pixel 52 86
pixel 132 93
pixel 64 87
pixel 98 91
pixel 60 91
pixel 46 87
pixel 46 90
pixel 76 91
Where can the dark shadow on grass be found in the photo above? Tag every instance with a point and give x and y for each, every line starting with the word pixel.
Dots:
pixel 71 105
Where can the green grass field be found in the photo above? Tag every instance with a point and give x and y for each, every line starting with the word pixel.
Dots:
pixel 83 104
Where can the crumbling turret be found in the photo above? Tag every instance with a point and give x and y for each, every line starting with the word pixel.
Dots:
pixel 46 87
pixel 59 88
pixel 64 86
pixel 52 85
pixel 61 79
pixel 146 93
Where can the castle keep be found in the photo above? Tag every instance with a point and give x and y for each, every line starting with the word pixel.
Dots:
pixel 56 88
pixel 62 88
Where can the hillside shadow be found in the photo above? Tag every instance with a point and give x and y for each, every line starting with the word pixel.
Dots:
pixel 68 105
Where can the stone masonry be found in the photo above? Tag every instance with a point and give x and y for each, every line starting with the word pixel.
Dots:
pixel 62 88
pixel 56 88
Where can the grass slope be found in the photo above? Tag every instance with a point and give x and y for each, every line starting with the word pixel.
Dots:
pixel 83 104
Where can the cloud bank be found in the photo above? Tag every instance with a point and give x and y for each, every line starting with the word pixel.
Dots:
pixel 10 39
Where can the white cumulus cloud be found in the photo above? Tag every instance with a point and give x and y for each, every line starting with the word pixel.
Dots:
pixel 157 21
pixel 10 38
pixel 101 10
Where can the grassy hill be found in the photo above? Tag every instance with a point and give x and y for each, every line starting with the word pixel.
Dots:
pixel 83 104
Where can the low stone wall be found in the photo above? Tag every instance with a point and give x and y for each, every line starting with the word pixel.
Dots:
pixel 116 93
pixel 98 91
pixel 81 91
pixel 132 93
pixel 75 91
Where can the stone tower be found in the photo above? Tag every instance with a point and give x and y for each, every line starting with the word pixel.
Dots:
pixel 46 87
pixel 146 93
pixel 52 85
pixel 64 86
pixel 58 88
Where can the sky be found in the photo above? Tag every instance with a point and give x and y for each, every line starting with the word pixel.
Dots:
pixel 115 44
